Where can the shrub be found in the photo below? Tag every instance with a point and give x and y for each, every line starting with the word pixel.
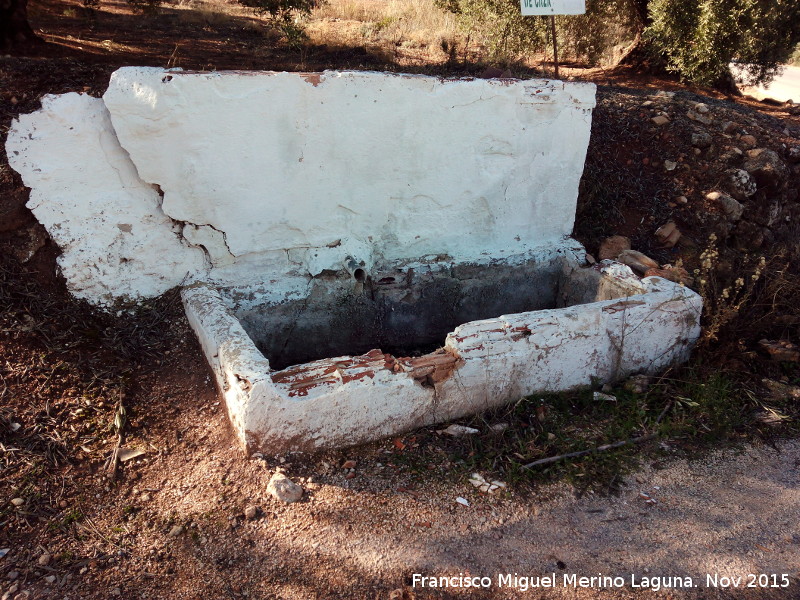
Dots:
pixel 698 39
pixel 285 15
pixel 499 26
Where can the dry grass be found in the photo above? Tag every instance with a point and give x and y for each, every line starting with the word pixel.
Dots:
pixel 217 13
pixel 408 24
pixel 413 27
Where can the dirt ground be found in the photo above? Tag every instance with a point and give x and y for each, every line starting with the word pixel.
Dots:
pixel 190 517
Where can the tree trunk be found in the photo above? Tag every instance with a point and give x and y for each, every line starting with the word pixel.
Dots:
pixel 636 54
pixel 14 26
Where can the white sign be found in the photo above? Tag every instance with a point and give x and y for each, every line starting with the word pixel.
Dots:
pixel 553 7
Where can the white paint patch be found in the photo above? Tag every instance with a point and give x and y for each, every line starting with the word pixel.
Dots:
pixel 116 242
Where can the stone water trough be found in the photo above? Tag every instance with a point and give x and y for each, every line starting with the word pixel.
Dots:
pixel 360 253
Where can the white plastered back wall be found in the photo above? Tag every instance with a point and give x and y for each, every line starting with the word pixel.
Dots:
pixel 241 178
pixel 409 165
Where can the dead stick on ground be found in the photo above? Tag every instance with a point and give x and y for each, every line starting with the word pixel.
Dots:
pixel 552 459
pixel 119 424
pixel 114 461
pixel 664 412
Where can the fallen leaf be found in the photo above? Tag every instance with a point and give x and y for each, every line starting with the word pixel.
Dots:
pixel 459 430
pixel 126 454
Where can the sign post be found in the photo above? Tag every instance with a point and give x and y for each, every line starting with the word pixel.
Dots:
pixel 551 8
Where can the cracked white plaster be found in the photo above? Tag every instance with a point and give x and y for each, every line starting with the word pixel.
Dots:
pixel 212 241
pixel 115 241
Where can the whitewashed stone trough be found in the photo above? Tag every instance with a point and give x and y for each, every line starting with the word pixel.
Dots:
pixel 362 253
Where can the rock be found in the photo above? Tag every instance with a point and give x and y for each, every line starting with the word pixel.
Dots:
pixel 498 427
pixel 638 384
pixel 28 242
pixel 483 485
pixel 781 391
pixel 729 127
pixel 462 501
pixel 11 591
pixel 781 350
pixel 349 464
pixel 51 579
pixel 637 261
pixel 731 156
pixel 767 167
pixel 44 559
pixel 116 592
pixel 748 141
pixel 670 165
pixel 668 234
pixel 12 575
pixel 600 396
pixel 612 246
pixel 793 153
pixel 701 139
pixel 682 200
pixel 284 489
pixel 749 236
pixel 251 512
pixel 18 501
pixel 740 184
pixel 694 116
pixel 175 531
pixel 660 120
pixel 701 108
pixel 730 207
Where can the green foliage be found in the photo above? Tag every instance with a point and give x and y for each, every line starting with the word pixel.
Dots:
pixel 595 36
pixel 286 16
pixel 499 26
pixel 140 7
pixel 506 34
pixel 699 38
